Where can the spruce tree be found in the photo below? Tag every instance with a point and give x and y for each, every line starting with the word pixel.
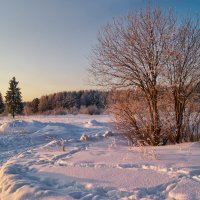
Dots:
pixel 13 98
pixel 34 105
pixel 1 104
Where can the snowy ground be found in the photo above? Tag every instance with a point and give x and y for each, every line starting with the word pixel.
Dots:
pixel 34 166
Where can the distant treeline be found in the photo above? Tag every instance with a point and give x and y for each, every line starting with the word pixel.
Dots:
pixel 84 101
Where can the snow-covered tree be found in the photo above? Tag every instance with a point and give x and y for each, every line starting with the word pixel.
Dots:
pixel 13 98
pixel 1 104
pixel 145 51
pixel 131 52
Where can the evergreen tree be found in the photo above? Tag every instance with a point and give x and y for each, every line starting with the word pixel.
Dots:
pixel 13 98
pixel 1 104
pixel 34 105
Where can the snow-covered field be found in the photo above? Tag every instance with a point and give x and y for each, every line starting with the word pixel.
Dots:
pixel 100 166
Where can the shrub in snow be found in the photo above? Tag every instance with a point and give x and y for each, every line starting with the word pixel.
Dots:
pixel 91 110
pixel 59 111
pixel 83 110
pixel 146 152
pixel 84 137
pixel 74 110
pixel 113 144
pixel 62 143
pixel 132 118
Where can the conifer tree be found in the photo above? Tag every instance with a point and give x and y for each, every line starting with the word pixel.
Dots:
pixel 34 105
pixel 1 104
pixel 13 98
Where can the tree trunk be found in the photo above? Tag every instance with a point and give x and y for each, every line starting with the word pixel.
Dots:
pixel 179 112
pixel 157 127
pixel 154 118
pixel 13 114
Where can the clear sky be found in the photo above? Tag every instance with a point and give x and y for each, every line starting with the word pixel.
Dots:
pixel 45 44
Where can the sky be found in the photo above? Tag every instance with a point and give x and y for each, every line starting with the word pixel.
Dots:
pixel 46 44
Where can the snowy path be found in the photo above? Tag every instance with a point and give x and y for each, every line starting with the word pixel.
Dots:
pixel 100 168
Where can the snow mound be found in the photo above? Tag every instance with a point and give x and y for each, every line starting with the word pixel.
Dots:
pixel 53 145
pixel 84 137
pixel 92 123
pixel 185 189
pixel 20 182
pixel 19 126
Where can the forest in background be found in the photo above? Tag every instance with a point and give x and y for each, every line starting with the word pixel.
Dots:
pixel 73 102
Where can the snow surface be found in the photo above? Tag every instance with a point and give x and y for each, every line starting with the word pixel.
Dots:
pixel 101 166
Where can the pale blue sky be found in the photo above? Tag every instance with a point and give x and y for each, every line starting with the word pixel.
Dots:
pixel 45 43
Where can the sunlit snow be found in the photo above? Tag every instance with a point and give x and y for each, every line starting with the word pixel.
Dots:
pixel 82 157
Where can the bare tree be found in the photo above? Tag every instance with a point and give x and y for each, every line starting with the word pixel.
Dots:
pixel 191 120
pixel 132 52
pixel 183 71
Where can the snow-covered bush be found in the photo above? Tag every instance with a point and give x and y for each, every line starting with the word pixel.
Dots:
pixel 131 116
